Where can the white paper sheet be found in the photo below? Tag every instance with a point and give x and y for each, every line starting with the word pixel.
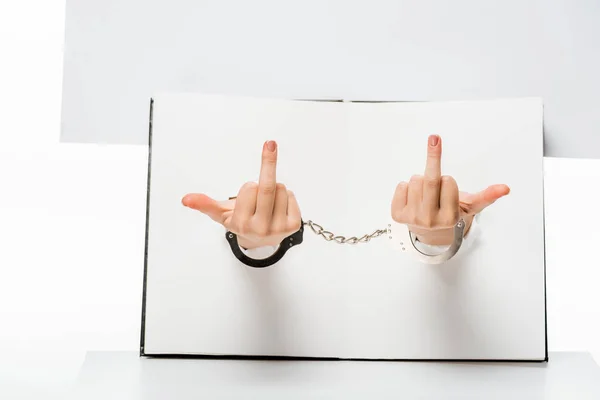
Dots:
pixel 343 161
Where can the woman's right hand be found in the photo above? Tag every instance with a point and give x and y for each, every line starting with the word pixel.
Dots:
pixel 262 214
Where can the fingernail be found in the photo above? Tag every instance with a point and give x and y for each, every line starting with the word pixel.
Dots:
pixel 184 200
pixel 434 140
pixel 271 145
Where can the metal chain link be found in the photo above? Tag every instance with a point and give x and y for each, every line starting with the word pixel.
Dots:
pixel 329 236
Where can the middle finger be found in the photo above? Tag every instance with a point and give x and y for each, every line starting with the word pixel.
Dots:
pixel 267 184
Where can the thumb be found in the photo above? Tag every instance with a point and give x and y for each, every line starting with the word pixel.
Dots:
pixel 206 205
pixel 474 203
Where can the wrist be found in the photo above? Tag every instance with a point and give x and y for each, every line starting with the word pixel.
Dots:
pixel 441 237
pixel 248 244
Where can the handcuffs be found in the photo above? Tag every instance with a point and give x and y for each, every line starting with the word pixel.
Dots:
pixel 286 244
pixel 403 239
pixel 399 235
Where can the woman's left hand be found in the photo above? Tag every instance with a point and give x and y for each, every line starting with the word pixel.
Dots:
pixel 431 204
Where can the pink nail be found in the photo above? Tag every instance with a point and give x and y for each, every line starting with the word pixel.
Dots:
pixel 271 145
pixel 434 140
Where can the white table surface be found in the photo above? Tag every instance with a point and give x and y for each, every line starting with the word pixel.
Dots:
pixel 124 375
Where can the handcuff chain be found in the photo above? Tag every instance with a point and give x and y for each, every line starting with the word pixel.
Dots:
pixel 330 236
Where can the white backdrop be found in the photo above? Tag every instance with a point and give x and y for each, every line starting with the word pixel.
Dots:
pixel 70 277
pixel 119 52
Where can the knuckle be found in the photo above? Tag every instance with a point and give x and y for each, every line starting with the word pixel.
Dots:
pixel 249 186
pixel 455 216
pixel 448 180
pixel 280 187
pixel 416 179
pixel 397 215
pixel 450 218
pixel 268 188
pixel 269 158
pixel 432 183
pixel 279 227
pixel 434 153
pixel 261 230
pixel 244 228
pixel 401 189
pixel 294 224
pixel 424 221
pixel 413 219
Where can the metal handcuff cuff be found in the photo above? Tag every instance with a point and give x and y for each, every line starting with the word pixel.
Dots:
pixel 398 234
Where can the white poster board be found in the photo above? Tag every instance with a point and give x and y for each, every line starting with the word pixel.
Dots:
pixel 343 161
